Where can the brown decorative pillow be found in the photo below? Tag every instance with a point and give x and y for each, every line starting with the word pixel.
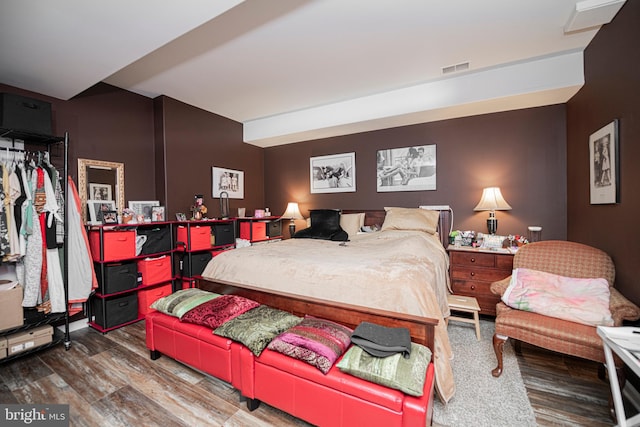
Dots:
pixel 318 342
pixel 215 312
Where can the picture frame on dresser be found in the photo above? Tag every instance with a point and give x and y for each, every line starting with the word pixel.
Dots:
pixel 97 208
pixel 109 217
pixel 157 213
pixel 604 164
pixel 144 208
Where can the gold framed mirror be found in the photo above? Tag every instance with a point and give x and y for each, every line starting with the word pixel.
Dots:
pixel 100 180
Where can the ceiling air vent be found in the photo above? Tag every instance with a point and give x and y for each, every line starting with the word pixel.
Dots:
pixel 463 66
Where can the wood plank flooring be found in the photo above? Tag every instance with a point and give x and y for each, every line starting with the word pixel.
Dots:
pixel 109 380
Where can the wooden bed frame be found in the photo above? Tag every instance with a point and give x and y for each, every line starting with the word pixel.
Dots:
pixel 422 329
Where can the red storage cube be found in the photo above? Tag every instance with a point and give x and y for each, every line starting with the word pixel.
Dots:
pixel 200 237
pixel 155 270
pixel 146 297
pixel 116 245
pixel 253 230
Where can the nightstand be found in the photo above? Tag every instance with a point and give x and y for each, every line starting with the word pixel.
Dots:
pixel 472 271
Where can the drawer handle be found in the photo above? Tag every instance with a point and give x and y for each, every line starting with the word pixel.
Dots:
pixel 473 287
pixel 473 260
pixel 473 273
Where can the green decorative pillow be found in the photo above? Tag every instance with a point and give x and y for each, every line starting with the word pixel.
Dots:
pixel 178 303
pixel 257 327
pixel 406 375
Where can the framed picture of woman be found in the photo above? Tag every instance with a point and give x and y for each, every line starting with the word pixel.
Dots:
pixel 603 165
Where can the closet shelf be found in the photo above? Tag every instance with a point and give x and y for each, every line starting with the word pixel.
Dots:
pixel 29 137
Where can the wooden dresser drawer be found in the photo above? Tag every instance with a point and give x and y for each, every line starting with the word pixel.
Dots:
pixel 473 258
pixel 466 287
pixel 471 273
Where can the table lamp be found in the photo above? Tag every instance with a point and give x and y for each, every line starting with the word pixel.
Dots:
pixel 292 212
pixel 492 201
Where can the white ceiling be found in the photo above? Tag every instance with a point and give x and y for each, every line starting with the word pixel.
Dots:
pixel 293 70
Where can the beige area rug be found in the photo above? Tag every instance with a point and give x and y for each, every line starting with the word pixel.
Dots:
pixel 481 399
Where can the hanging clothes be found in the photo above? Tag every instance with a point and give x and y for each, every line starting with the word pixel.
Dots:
pixel 31 264
pixel 4 231
pixel 55 282
pixel 81 274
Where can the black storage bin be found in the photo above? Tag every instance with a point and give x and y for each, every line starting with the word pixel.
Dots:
pixel 115 311
pixel 198 263
pixel 158 239
pixel 25 114
pixel 118 277
pixel 224 233
pixel 274 229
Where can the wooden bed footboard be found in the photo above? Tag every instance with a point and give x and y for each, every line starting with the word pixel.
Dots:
pixel 422 329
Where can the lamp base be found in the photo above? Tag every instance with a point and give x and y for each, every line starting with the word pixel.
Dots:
pixel 292 228
pixel 492 224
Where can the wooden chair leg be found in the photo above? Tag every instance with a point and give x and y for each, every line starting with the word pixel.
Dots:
pixel 498 348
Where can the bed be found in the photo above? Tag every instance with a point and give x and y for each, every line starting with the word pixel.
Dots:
pixel 401 269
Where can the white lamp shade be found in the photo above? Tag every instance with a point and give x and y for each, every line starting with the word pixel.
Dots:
pixel 492 200
pixel 292 211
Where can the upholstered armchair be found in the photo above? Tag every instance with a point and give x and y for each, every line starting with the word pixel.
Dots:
pixel 568 259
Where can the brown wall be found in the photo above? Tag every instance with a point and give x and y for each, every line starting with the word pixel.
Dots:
pixel 194 141
pixel 610 92
pixel 107 123
pixel 523 152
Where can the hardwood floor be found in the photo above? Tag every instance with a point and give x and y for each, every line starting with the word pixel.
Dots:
pixel 110 380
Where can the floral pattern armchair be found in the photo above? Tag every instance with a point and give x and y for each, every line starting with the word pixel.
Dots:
pixel 566 259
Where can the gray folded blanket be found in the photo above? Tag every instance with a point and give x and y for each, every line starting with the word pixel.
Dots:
pixel 382 341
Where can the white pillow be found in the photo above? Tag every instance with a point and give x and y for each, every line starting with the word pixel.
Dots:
pixel 581 300
pixel 411 219
pixel 352 223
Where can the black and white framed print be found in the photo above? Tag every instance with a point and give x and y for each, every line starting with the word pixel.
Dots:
pixel 335 173
pixel 227 181
pixel 406 169
pixel 603 165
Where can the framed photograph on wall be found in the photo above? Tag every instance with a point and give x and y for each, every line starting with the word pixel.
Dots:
pixel 603 165
pixel 143 208
pixel 406 169
pixel 333 174
pixel 97 208
pixel 100 192
pixel 229 181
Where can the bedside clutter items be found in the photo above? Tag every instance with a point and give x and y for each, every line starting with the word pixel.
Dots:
pixel 470 238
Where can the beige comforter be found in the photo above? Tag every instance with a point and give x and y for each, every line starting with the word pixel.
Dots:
pixel 401 271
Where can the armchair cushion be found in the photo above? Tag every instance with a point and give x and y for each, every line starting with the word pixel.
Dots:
pixel 582 300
